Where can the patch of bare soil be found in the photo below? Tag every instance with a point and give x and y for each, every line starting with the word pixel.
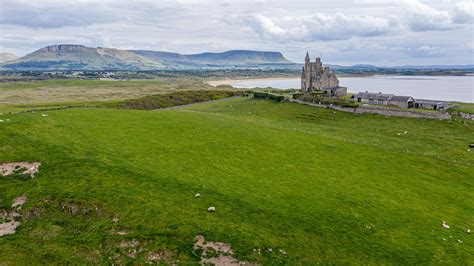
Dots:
pixel 18 202
pixel 222 250
pixel 26 168
pixel 8 219
pixel 161 256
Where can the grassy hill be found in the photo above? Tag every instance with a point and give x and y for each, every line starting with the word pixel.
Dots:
pixel 71 57
pixel 79 57
pixel 291 184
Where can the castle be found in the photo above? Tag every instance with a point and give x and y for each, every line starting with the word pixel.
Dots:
pixel 315 77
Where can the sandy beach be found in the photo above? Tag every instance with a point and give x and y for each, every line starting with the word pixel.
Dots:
pixel 231 82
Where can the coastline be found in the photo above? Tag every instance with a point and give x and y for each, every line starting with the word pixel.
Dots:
pixel 421 87
pixel 215 83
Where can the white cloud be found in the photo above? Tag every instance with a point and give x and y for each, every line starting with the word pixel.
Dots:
pixel 463 12
pixel 426 51
pixel 344 31
pixel 320 26
pixel 421 17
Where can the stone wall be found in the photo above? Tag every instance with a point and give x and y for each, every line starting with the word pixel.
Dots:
pixel 466 115
pixel 382 111
pixel 394 112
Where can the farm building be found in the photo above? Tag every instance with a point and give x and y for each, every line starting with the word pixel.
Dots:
pixel 384 99
pixel 336 91
pixel 430 104
pixel 402 101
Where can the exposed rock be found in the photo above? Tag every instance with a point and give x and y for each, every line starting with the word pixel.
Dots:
pixel 129 243
pixel 224 251
pixel 160 256
pixel 73 210
pixel 217 246
pixel 27 168
pixel 153 257
pixel 9 225
pixel 8 228
pixel 222 260
pixel 18 202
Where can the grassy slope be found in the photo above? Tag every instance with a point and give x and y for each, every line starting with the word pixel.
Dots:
pixel 15 94
pixel 287 176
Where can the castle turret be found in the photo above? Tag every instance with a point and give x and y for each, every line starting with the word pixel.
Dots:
pixel 319 65
pixel 307 58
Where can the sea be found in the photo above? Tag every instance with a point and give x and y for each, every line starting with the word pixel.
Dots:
pixel 445 88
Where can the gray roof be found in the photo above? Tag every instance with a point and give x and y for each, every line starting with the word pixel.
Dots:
pixel 383 97
pixel 401 98
pixel 430 102
pixel 373 96
pixel 365 95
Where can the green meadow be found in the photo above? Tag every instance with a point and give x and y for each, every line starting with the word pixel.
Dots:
pixel 291 184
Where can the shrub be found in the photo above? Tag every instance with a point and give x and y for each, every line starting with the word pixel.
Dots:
pixel 175 99
pixel 297 95
pixel 267 95
pixel 350 104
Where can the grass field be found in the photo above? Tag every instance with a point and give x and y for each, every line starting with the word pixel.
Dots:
pixel 59 91
pixel 311 184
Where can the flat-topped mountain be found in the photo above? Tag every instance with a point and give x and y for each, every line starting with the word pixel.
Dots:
pixel 229 58
pixel 79 57
pixel 74 57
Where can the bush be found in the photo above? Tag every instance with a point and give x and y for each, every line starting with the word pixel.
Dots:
pixel 317 97
pixel 261 95
pixel 297 95
pixel 267 95
pixel 350 104
pixel 175 99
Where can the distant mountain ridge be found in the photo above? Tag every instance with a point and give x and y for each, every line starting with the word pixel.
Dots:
pixel 79 57
pixel 66 57
pixel 5 57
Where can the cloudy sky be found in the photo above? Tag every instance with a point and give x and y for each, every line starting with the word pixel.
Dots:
pixel 381 32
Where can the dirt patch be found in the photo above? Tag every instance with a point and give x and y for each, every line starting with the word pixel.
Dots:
pixel 129 243
pixel 224 260
pixel 217 253
pixel 161 256
pixel 8 228
pixel 9 223
pixel 25 168
pixel 18 202
pixel 217 246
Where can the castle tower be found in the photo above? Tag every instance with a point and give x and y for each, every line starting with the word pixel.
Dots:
pixel 315 76
pixel 319 65
pixel 306 76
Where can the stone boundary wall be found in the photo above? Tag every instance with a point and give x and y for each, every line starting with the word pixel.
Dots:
pixel 466 115
pixel 382 111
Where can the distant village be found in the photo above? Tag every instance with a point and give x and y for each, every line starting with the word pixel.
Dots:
pixel 316 78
